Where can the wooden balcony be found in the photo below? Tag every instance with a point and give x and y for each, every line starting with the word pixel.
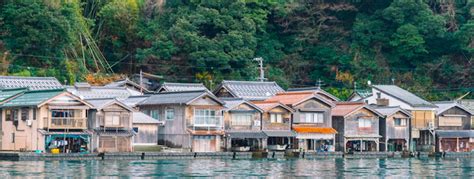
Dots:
pixel 65 123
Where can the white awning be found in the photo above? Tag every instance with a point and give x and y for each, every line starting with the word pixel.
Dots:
pixel 314 136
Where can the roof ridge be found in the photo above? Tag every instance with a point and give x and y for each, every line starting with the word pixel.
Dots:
pixel 234 81
pixel 45 90
pixel 177 83
pixel 172 92
pixel 294 93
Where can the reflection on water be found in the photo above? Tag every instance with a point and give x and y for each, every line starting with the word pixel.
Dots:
pixel 242 168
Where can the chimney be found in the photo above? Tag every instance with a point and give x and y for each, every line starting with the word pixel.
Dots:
pixel 382 102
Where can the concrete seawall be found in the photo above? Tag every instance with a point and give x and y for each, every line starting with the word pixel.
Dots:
pixel 27 156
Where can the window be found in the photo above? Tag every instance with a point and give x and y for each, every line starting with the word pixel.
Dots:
pixel 400 122
pixel 169 113
pixel 34 113
pixel 241 119
pixel 24 114
pixel 312 117
pixel 365 123
pixel 62 113
pixel 276 118
pixel 206 117
pixel 135 129
pixel 13 137
pixel 8 115
pixel 112 120
pixel 155 114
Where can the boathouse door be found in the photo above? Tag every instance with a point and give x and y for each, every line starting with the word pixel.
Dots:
pixel 204 144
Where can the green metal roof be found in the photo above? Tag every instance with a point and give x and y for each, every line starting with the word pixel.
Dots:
pixel 8 93
pixel 363 93
pixel 32 98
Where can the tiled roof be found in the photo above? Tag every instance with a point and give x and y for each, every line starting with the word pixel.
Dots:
pixel 104 102
pixel 8 93
pixel 445 105
pixel 318 91
pixel 132 101
pixel 231 103
pixel 345 108
pixel 251 90
pixel 269 105
pixel 183 97
pixel 390 110
pixel 142 118
pixel 403 95
pixel 92 92
pixel 33 83
pixel 294 98
pixel 175 87
pixel 125 82
pixel 468 103
pixel 33 98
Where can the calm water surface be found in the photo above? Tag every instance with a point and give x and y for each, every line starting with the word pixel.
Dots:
pixel 243 168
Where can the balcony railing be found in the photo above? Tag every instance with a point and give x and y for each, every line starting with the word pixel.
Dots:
pixel 66 123
pixel 214 122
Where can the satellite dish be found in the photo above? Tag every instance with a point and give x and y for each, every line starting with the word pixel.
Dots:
pixel 369 83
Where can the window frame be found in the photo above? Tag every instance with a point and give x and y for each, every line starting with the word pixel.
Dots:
pixel 364 122
pixel 169 111
pixel 402 122
pixel 236 119
pixel 276 118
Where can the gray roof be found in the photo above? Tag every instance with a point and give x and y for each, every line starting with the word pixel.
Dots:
pixel 246 134
pixel 390 110
pixel 104 102
pixel 175 87
pixel 445 105
pixel 93 92
pixel 132 101
pixel 251 90
pixel 127 82
pixel 231 103
pixel 468 103
pixel 455 133
pixel 404 95
pixel 183 97
pixel 142 118
pixel 124 133
pixel 33 83
pixel 280 133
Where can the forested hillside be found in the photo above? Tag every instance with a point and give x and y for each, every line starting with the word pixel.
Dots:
pixel 424 46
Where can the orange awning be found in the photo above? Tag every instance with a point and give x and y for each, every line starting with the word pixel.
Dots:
pixel 321 130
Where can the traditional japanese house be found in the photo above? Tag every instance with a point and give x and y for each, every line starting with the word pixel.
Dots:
pixel 423 113
pixel 394 128
pixel 357 126
pixel 276 124
pixel 130 85
pixel 146 129
pixel 176 87
pixel 311 119
pixel 111 121
pixel 192 119
pixel 453 128
pixel 45 120
pixel 32 83
pixel 243 129
pixel 317 91
pixel 360 95
pixel 247 90
pixel 468 104
pixel 86 91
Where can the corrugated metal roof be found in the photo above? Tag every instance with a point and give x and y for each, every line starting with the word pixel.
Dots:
pixel 390 110
pixel 123 133
pixel 183 97
pixel 445 105
pixel 94 92
pixel 175 87
pixel 455 133
pixel 281 133
pixel 81 132
pixel 142 118
pixel 403 95
pixel 319 130
pixel 251 90
pixel 246 134
pixel 8 93
pixel 33 83
pixel 33 98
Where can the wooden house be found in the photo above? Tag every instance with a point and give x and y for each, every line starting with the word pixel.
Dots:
pixel 192 119
pixel 357 126
pixel 317 91
pixel 45 120
pixel 468 104
pixel 423 113
pixel 276 124
pixel 177 87
pixel 243 129
pixel 311 119
pixel 394 128
pixel 453 128
pixel 111 121
pixel 86 91
pixel 145 128
pixel 247 90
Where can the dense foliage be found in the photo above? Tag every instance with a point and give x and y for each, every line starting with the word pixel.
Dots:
pixel 425 46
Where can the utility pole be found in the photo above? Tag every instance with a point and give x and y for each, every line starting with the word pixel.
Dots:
pixel 141 81
pixel 262 72
pixel 319 84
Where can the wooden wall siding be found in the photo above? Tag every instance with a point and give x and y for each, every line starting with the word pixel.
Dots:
pixel 189 113
pixel 175 140
pixel 421 118
pixel 228 118
pixel 339 125
pixel 114 144
pixel 286 115
pixel 223 93
pixel 315 105
pixel 397 132
pixel 97 118
pixel 147 134
pixel 351 126
pixel 466 120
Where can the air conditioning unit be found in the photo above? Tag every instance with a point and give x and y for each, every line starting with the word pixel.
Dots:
pixel 29 122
